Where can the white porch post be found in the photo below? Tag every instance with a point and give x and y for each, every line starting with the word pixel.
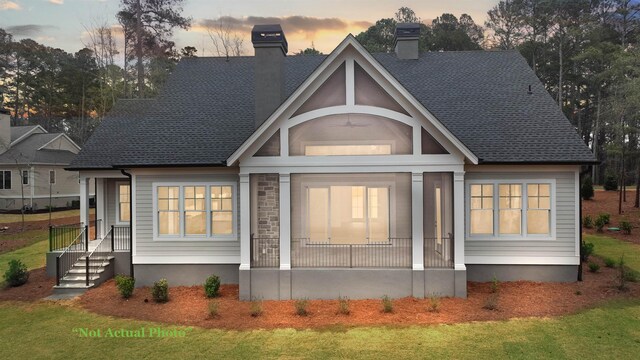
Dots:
pixel 84 200
pixel 285 222
pixel 100 205
pixel 458 218
pixel 417 220
pixel 245 222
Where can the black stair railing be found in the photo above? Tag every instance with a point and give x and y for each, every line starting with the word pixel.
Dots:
pixel 71 254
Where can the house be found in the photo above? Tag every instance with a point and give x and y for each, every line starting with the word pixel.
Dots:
pixel 32 163
pixel 352 174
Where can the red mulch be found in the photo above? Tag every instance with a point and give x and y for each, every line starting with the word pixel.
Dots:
pixel 37 287
pixel 188 305
pixel 607 202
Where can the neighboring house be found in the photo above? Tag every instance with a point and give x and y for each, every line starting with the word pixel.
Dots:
pixel 352 174
pixel 32 163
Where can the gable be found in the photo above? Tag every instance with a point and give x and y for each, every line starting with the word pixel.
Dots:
pixel 62 142
pixel 366 88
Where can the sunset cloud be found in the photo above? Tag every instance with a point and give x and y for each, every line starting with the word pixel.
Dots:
pixel 9 5
pixel 56 2
pixel 28 30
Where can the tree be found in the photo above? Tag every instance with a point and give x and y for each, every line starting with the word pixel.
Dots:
pixel 188 52
pixel 451 34
pixel 148 25
pixel 309 51
pixel 506 20
pixel 226 41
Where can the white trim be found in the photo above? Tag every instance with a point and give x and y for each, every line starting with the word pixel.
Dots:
pixel 417 220
pixel 32 174
pixel 117 209
pixel 198 238
pixel 523 236
pixel 134 212
pixel 459 211
pixel 522 260
pixel 335 54
pixel 27 134
pixel 245 222
pixel 186 259
pixel 350 82
pixel 56 138
pixel 285 221
pixel 577 187
pixel 22 177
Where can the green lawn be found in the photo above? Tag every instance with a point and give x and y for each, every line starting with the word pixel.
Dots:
pixel 13 218
pixel 613 248
pixel 33 255
pixel 47 331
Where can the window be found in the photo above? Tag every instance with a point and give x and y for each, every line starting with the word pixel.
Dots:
pixel 52 176
pixel 538 208
pixel 195 210
pixel 221 210
pixel 5 180
pixel 510 208
pixel 481 209
pixel 505 215
pixel 168 210
pixel 124 201
pixel 25 177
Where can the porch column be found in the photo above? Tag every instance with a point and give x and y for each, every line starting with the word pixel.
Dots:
pixel 100 202
pixel 285 236
pixel 417 231
pixel 245 238
pixel 84 200
pixel 459 234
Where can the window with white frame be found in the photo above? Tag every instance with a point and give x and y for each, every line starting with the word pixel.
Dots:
pixel 124 202
pixel 5 180
pixel 520 209
pixel 52 176
pixel 25 177
pixel 195 210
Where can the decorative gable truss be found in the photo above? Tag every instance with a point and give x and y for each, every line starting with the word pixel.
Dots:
pixel 349 107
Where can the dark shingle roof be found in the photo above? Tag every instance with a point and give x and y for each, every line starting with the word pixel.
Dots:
pixel 26 152
pixel 19 131
pixel 207 110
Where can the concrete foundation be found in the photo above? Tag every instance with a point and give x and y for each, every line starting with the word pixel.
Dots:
pixel 184 274
pixel 543 273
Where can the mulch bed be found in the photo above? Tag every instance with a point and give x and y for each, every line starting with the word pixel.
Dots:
pixel 607 202
pixel 188 305
pixel 38 287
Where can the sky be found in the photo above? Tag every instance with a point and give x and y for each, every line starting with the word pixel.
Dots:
pixel 323 23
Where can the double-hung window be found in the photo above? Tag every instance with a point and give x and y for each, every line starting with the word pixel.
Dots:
pixel 25 177
pixel 510 210
pixel 5 180
pixel 124 202
pixel 192 211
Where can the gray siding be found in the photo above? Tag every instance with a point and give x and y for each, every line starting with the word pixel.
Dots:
pixel 164 250
pixel 564 245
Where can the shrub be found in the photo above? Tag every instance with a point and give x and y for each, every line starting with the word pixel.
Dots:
pixel 586 249
pixel 609 262
pixel 588 222
pixel 626 227
pixel 125 285
pixel 16 274
pixel 610 182
pixel 434 304
pixel 256 308
pixel 632 275
pixel 212 286
pixel 606 218
pixel 622 274
pixel 387 304
pixel 578 292
pixel 586 191
pixel 302 307
pixel 495 284
pixel 599 224
pixel 343 306
pixel 160 291
pixel 492 302
pixel 593 267
pixel 214 308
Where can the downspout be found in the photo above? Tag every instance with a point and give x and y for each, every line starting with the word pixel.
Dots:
pixel 131 217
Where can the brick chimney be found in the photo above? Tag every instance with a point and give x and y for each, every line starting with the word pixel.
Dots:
pixel 5 130
pixel 406 39
pixel 271 48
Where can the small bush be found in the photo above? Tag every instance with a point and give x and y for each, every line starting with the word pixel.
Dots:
pixel 302 307
pixel 606 217
pixel 214 308
pixel 610 183
pixel 16 274
pixel 434 304
pixel 256 308
pixel 125 285
pixel 495 285
pixel 593 267
pixel 609 262
pixel 212 286
pixel 586 191
pixel 632 275
pixel 343 306
pixel 578 292
pixel 387 304
pixel 587 222
pixel 599 224
pixel 622 274
pixel 626 227
pixel 492 302
pixel 160 291
pixel 586 250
